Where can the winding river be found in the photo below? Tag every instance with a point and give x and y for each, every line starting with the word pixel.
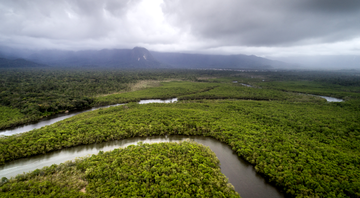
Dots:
pixel 242 175
pixel 61 116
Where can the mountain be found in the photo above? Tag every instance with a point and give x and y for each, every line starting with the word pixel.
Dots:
pixel 137 57
pixel 18 63
pixel 184 60
pixel 140 57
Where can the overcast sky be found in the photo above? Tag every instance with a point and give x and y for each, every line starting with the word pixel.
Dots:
pixel 268 28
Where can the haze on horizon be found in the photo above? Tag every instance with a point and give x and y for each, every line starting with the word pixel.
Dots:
pixel 314 34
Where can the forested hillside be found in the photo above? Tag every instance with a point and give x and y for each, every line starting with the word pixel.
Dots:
pixel 240 61
pixel 140 57
pixel 18 63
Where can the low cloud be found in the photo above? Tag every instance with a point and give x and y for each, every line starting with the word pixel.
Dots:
pixel 82 24
pixel 268 28
pixel 267 22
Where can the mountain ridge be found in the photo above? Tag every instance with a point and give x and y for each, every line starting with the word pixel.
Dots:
pixel 238 61
pixel 140 57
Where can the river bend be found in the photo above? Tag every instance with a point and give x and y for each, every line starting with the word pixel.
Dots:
pixel 241 174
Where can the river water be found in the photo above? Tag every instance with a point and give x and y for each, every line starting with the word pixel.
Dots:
pixel 242 175
pixel 246 85
pixel 158 101
pixel 331 99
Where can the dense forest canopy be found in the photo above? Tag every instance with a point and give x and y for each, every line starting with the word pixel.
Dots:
pixel 30 94
pixel 303 144
pixel 35 93
pixel 305 148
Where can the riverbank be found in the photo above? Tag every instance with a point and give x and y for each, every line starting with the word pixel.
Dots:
pixel 155 170
pixel 164 91
pixel 61 116
pixel 242 175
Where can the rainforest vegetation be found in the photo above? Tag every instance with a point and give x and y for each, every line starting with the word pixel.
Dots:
pixel 306 146
pixel 185 169
pixel 30 94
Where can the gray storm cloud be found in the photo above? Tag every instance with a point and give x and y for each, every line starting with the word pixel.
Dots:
pixel 63 21
pixel 59 19
pixel 267 22
pixel 262 27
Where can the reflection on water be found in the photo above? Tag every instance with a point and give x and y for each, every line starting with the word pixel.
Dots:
pixel 158 101
pixel 331 99
pixel 246 85
pixel 241 174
